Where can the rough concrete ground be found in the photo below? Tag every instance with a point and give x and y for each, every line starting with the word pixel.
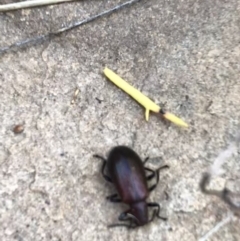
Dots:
pixel 184 54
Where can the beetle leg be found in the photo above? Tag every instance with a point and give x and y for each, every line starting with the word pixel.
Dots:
pixel 100 157
pixel 157 177
pixel 114 198
pixel 146 159
pixel 124 217
pixel 153 216
pixel 157 180
pixel 151 176
pixel 162 167
pixel 107 178
pixel 156 212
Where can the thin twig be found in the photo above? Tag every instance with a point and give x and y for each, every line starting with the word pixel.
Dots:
pixel 41 38
pixel 216 228
pixel 29 4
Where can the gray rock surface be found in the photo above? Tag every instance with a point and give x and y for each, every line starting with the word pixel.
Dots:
pixel 184 55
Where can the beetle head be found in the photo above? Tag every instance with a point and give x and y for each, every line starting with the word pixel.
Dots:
pixel 140 212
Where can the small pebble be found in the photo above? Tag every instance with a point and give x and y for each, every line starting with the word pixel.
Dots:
pixel 18 129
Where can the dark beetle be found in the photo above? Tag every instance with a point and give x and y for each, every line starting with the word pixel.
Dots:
pixel 127 172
